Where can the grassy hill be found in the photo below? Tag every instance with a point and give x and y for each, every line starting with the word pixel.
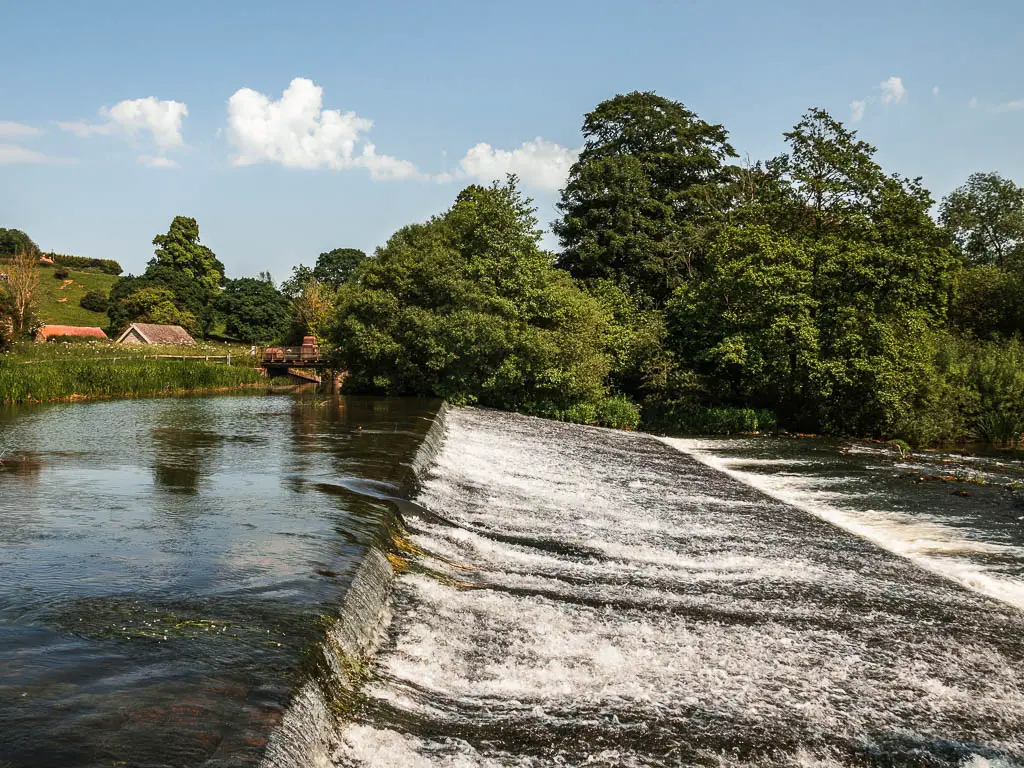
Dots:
pixel 51 290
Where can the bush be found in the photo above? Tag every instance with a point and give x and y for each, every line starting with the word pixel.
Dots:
pixel 619 412
pixel 690 419
pixel 108 266
pixel 61 273
pixel 94 301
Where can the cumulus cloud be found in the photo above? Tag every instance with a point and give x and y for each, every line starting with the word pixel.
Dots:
pixel 893 90
pixel 857 110
pixel 150 117
pixel 973 103
pixel 935 90
pixel 17 130
pixel 297 132
pixel 539 163
pixel 1014 105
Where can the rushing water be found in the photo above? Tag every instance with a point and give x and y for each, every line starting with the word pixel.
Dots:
pixel 172 570
pixel 590 597
pixel 959 515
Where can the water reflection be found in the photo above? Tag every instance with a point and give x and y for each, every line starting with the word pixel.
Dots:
pixel 164 564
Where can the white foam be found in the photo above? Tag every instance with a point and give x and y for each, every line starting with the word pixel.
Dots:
pixel 916 537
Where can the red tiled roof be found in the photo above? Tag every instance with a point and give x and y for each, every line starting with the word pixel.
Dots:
pixel 49 331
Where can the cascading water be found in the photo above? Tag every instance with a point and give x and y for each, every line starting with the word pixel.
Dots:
pixel 586 596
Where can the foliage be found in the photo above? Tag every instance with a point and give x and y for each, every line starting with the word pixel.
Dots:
pixel 254 310
pixel 94 301
pixel 682 417
pixel 636 200
pixel 182 273
pixel 819 287
pixel 312 309
pixel 61 273
pixel 335 267
pixel 986 219
pixel 106 266
pixel 14 241
pixel 150 304
pixel 468 307
pixel 988 301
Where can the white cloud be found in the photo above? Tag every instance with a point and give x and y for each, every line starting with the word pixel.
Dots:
pixel 1014 105
pixel 12 154
pixel 538 163
pixel 17 130
pixel 152 117
pixel 893 90
pixel 157 161
pixel 935 90
pixel 973 103
pixel 857 110
pixel 297 132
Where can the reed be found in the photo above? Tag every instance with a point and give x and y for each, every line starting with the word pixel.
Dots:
pixel 89 375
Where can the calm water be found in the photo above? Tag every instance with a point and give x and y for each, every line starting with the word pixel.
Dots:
pixel 168 566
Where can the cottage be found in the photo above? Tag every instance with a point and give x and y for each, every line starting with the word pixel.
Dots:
pixel 149 333
pixel 48 332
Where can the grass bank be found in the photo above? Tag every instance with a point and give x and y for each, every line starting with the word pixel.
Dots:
pixel 59 300
pixel 51 372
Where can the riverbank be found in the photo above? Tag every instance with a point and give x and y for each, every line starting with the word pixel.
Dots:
pixel 37 373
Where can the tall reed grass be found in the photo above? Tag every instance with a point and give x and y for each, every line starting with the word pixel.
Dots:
pixel 62 379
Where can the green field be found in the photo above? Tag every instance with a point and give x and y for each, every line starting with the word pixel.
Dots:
pixel 57 312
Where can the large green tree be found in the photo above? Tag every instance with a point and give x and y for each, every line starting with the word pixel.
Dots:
pixel 188 271
pixel 336 266
pixel 254 310
pixel 820 288
pixel 14 241
pixel 636 203
pixel 468 307
pixel 985 216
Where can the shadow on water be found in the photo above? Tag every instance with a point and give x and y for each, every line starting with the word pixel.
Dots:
pixel 169 567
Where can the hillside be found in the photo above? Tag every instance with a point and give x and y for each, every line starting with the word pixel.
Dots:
pixel 52 290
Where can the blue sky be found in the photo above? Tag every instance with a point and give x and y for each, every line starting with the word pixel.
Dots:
pixel 97 153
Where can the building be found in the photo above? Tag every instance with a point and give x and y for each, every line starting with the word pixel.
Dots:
pixel 48 332
pixel 148 333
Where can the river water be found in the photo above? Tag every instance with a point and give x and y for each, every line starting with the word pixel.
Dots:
pixel 238 580
pixel 169 568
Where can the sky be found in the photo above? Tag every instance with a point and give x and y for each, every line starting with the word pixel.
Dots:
pixel 288 129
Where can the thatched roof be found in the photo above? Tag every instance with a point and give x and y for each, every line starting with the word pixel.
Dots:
pixel 49 331
pixel 158 334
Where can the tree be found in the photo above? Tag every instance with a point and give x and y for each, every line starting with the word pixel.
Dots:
pixel 22 282
pixel 254 310
pixel 336 267
pixel 14 241
pixel 645 181
pixel 151 304
pixel 183 269
pixel 467 307
pixel 94 301
pixel 312 309
pixel 985 217
pixel 181 250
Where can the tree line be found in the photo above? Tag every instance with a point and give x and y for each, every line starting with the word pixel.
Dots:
pixel 813 291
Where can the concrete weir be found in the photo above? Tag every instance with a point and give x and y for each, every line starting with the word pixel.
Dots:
pixel 587 596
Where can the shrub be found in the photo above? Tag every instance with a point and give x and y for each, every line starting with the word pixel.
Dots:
pixel 108 266
pixel 94 301
pixel 691 419
pixel 61 273
pixel 619 412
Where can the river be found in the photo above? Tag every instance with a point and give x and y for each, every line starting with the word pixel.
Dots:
pixel 170 567
pixel 300 582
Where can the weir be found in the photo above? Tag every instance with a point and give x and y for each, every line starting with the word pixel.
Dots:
pixel 586 596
